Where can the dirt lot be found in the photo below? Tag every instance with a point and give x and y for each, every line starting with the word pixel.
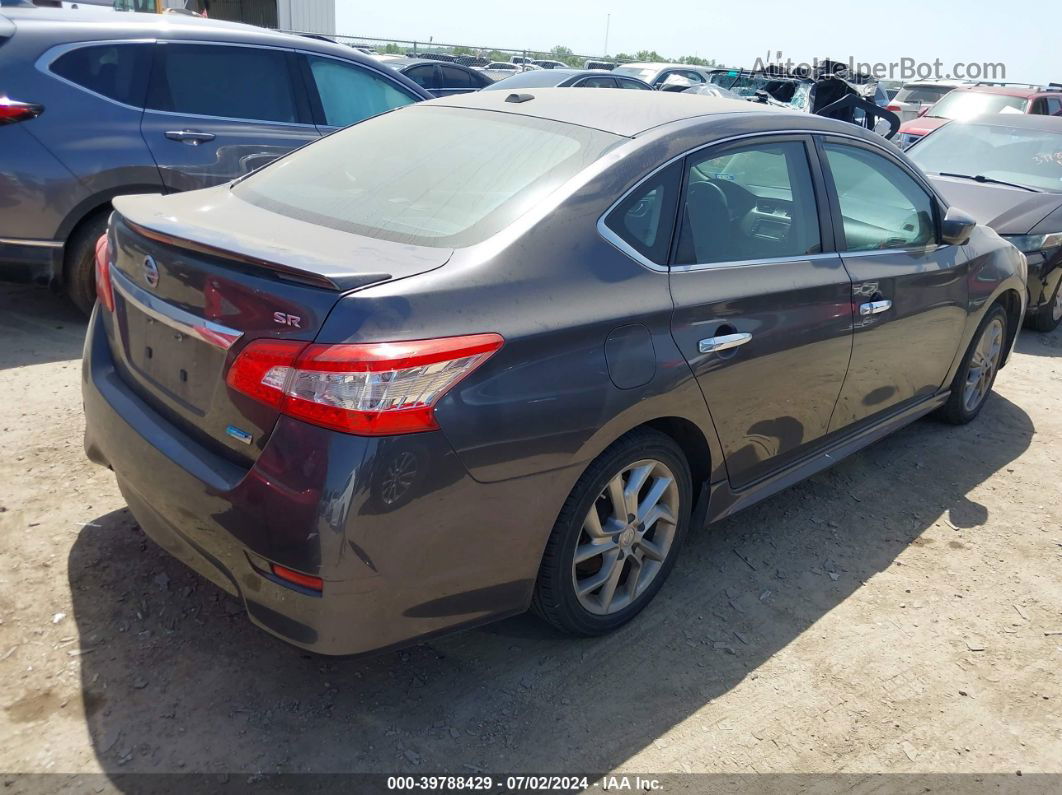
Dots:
pixel 900 613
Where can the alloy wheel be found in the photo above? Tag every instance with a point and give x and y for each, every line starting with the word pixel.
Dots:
pixel 1056 309
pixel 983 365
pixel 626 537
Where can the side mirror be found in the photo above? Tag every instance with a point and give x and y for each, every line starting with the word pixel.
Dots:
pixel 957 227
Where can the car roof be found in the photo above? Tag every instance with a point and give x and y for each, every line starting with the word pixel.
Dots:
pixel 661 65
pixel 544 78
pixel 612 110
pixel 87 23
pixel 1018 121
pixel 1008 91
pixel 403 61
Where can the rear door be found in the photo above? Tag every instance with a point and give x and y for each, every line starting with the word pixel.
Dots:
pixel 762 313
pixel 909 291
pixel 217 111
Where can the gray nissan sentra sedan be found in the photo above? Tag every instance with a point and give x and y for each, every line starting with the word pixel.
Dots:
pixel 499 351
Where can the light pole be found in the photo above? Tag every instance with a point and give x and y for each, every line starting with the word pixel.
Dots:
pixel 608 19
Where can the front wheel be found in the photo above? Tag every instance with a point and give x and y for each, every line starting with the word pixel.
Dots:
pixel 977 373
pixel 617 536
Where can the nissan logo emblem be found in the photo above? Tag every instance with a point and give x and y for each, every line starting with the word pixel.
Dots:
pixel 151 272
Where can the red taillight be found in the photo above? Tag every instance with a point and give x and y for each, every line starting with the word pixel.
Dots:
pixel 373 389
pixel 11 110
pixel 894 107
pixel 305 580
pixel 104 290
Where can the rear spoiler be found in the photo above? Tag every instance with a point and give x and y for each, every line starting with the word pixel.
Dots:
pixel 345 282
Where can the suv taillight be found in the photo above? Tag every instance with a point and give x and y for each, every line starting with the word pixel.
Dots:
pixel 11 110
pixel 371 389
pixel 104 289
pixel 894 107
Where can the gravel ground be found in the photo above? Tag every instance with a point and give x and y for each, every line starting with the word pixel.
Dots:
pixel 901 612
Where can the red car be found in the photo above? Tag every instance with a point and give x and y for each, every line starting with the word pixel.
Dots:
pixel 966 102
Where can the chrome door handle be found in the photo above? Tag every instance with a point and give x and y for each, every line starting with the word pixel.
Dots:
pixel 875 307
pixel 723 343
pixel 192 137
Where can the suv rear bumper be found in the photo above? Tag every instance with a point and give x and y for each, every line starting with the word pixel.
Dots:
pixel 39 261
pixel 401 557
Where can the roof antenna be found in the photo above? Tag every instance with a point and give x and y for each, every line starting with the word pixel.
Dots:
pixel 519 97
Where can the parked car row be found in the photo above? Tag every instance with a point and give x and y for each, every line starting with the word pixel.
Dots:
pixel 980 99
pixel 95 109
pixel 504 348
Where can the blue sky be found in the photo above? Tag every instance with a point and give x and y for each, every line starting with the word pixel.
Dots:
pixel 1022 34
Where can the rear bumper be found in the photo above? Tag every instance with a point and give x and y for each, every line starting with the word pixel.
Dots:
pixel 39 261
pixel 407 543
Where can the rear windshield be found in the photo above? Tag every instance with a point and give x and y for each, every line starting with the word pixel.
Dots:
pixel 440 177
pixel 924 94
pixel 967 104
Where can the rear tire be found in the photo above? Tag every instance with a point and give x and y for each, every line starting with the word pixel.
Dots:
pixel 976 375
pixel 1047 317
pixel 79 268
pixel 626 519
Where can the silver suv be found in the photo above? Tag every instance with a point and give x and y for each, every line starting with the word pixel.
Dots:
pixel 94 104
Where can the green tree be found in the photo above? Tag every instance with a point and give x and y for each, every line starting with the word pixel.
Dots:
pixel 564 55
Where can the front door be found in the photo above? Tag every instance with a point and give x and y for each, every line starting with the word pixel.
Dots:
pixel 217 111
pixel 762 315
pixel 909 292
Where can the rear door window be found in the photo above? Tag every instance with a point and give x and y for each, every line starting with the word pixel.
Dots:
pixel 596 82
pixel 454 78
pixel 423 75
pixel 350 93
pixel 115 71
pixel 251 83
pixel 754 202
pixel 632 84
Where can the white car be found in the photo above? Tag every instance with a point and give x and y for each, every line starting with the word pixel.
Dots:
pixel 656 74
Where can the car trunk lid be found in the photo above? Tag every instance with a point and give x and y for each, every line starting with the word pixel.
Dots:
pixel 198 276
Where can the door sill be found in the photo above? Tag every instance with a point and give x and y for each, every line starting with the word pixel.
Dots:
pixel 725 500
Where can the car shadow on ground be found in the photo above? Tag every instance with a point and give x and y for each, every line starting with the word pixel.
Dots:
pixel 37 326
pixel 1033 343
pixel 175 678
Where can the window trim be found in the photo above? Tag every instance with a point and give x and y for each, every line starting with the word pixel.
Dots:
pixel 299 107
pixel 44 62
pixel 826 224
pixel 841 243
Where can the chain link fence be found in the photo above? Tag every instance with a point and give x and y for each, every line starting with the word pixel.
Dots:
pixel 467 54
